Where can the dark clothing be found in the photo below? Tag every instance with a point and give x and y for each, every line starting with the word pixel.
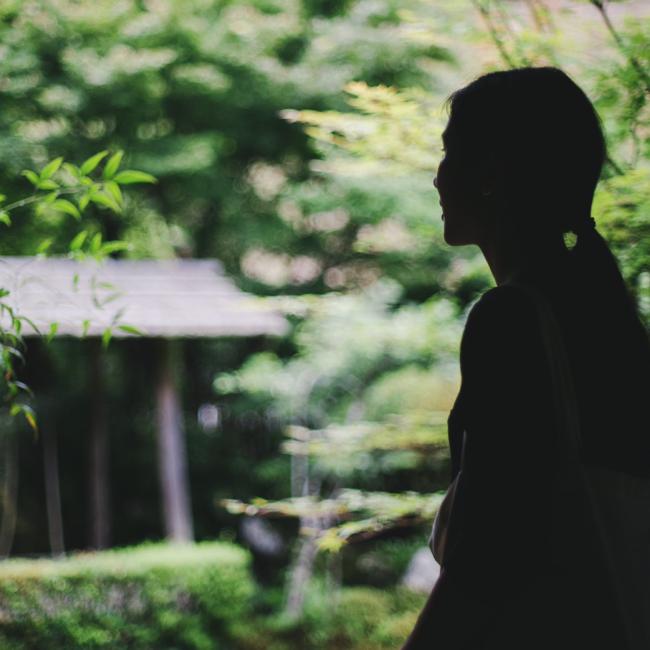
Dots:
pixel 504 543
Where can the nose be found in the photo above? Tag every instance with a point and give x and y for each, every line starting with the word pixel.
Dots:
pixel 435 181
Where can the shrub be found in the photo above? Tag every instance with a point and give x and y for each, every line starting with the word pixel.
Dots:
pixel 151 596
pixel 354 618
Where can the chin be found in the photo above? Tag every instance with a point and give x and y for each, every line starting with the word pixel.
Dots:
pixel 452 238
pixel 455 236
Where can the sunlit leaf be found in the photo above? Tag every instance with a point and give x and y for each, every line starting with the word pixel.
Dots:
pixel 63 205
pixel 96 242
pixel 92 162
pixel 83 201
pixel 131 176
pixel 114 190
pixel 112 165
pixel 114 247
pixel 107 335
pixel 73 170
pixel 44 246
pixel 105 201
pixel 47 184
pixel 78 240
pixel 31 176
pixel 51 168
pixel 54 328
pixel 130 329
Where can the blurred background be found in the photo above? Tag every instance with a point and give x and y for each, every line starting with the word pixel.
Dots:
pixel 294 455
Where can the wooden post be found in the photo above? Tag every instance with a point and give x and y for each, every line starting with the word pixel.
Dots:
pixel 9 495
pixel 52 489
pixel 172 460
pixel 99 489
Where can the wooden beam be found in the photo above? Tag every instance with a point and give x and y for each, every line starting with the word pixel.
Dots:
pixel 172 460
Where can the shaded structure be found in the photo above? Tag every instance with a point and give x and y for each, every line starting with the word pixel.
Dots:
pixel 164 300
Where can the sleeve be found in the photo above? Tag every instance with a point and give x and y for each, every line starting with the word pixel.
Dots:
pixel 497 531
pixel 497 541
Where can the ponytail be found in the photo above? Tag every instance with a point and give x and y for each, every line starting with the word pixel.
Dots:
pixel 601 276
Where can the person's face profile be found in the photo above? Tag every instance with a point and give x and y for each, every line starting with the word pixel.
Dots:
pixel 462 205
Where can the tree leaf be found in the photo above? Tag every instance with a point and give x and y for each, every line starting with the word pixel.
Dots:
pixel 78 240
pixel 130 329
pixel 130 176
pixel 73 170
pixel 44 246
pixel 83 201
pixel 47 184
pixel 114 246
pixel 54 327
pixel 63 205
pixel 5 218
pixel 114 190
pixel 92 162
pixel 112 165
pixel 31 176
pixel 107 335
pixel 96 242
pixel 106 201
pixel 51 168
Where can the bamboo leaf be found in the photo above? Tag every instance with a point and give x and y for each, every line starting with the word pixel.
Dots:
pixel 92 162
pixel 130 176
pixel 47 184
pixel 51 168
pixel 105 201
pixel 96 243
pixel 130 329
pixel 31 176
pixel 54 327
pixel 44 246
pixel 107 335
pixel 63 205
pixel 78 240
pixel 114 246
pixel 114 190
pixel 112 165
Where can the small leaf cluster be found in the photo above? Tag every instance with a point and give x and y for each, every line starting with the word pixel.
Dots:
pixel 62 187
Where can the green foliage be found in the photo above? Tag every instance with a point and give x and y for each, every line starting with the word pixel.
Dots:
pixel 55 180
pixel 152 596
pixel 363 514
pixel 355 618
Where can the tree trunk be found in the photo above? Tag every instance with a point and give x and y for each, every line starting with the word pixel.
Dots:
pixel 52 490
pixel 9 496
pixel 172 462
pixel 99 454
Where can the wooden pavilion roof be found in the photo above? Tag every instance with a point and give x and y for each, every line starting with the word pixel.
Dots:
pixel 161 298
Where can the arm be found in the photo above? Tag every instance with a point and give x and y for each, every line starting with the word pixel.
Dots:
pixel 496 540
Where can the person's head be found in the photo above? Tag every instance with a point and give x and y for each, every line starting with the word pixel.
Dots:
pixel 523 153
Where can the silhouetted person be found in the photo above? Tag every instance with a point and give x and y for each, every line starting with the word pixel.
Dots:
pixel 523 154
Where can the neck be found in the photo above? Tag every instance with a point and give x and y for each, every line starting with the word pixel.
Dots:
pixel 509 258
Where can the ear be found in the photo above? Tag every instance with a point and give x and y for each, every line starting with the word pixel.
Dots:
pixel 492 176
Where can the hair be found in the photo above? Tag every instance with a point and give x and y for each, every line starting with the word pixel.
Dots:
pixel 547 135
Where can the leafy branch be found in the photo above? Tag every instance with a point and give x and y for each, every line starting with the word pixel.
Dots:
pixel 53 187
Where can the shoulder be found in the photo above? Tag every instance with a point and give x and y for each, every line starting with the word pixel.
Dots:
pixel 502 329
pixel 504 307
